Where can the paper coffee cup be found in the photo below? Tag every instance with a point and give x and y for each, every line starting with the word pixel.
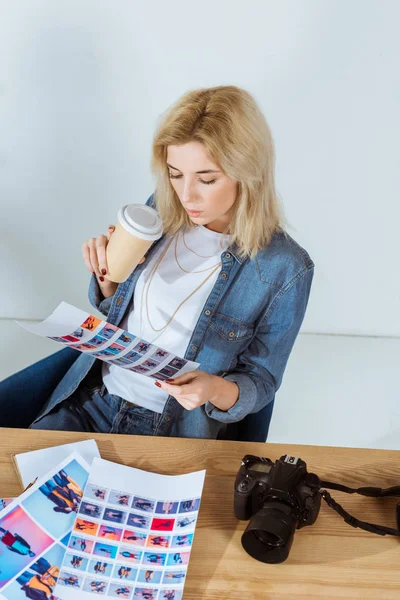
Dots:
pixel 138 226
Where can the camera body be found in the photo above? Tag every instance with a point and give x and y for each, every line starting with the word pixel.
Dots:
pixel 278 498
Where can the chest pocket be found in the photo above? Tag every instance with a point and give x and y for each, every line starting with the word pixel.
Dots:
pixel 230 329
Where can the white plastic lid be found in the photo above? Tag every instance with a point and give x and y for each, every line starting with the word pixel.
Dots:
pixel 141 221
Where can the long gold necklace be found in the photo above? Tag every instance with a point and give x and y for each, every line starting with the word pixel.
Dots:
pixel 179 264
pixel 199 255
pixel 183 302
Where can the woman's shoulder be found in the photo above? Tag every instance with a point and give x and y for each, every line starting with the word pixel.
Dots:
pixel 282 260
pixel 282 244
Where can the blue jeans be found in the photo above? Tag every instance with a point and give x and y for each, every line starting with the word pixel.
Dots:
pixel 91 408
pixel 24 395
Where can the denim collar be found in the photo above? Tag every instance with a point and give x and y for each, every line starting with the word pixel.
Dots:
pixel 233 249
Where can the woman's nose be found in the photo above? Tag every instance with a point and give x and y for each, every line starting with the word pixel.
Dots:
pixel 188 191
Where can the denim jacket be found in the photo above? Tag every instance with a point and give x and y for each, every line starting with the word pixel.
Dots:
pixel 245 332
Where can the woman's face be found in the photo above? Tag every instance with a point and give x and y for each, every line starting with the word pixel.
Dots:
pixel 205 192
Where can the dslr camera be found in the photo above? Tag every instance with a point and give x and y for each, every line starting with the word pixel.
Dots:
pixel 278 498
pixel 281 497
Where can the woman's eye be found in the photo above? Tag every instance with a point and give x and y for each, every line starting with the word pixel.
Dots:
pixel 171 176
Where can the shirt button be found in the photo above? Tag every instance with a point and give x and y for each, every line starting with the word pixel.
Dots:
pixel 119 300
pixel 194 348
pixel 208 312
pixel 227 255
pixel 231 334
pixel 224 275
pixel 167 419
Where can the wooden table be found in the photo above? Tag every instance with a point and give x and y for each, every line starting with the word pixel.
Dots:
pixel 328 560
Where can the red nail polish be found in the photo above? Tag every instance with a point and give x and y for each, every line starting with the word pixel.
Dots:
pixel 157 383
pixel 101 278
pixel 169 380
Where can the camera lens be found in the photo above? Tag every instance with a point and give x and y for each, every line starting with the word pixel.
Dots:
pixel 269 534
pixel 268 539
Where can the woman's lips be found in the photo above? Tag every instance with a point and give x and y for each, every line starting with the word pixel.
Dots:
pixel 194 213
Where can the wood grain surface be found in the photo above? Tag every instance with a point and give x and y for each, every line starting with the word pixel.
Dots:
pixel 329 560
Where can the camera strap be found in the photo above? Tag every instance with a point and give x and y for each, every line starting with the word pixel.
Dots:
pixel 374 492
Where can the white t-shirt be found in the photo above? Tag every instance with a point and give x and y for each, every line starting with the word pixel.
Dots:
pixel 169 287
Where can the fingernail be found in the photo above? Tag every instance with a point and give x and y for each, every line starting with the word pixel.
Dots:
pixel 157 383
pixel 169 380
pixel 103 272
pixel 101 278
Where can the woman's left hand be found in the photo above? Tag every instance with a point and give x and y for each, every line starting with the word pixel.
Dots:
pixel 196 388
pixel 191 389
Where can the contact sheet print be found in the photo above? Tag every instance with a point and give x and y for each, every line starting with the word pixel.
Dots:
pixel 132 536
pixel 35 530
pixel 86 333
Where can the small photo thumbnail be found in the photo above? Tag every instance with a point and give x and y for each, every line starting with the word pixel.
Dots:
pixel 184 522
pixel 178 558
pixel 89 509
pixel 134 537
pixel 154 558
pixel 81 543
pixel 145 594
pixel 100 567
pixel 69 580
pixel 91 323
pixel 75 561
pixel 120 498
pixel 167 507
pixel 96 492
pixel 120 590
pixel 162 524
pixel 108 532
pixel 96 586
pixel 174 594
pixel 105 550
pixel 129 554
pixel 149 576
pixel 143 504
pixel 159 541
pixel 174 577
pixel 182 540
pixel 108 331
pixel 124 572
pixel 189 505
pixel 138 520
pixel 113 515
pixel 87 527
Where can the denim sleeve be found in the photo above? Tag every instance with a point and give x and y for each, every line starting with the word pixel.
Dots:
pixel 96 298
pixel 259 369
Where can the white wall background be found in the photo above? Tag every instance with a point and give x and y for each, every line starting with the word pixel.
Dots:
pixel 82 85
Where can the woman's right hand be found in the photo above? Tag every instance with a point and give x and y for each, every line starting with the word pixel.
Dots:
pixel 94 255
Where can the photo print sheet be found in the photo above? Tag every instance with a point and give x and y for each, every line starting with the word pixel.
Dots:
pixel 35 529
pixel 132 536
pixel 35 463
pixel 82 331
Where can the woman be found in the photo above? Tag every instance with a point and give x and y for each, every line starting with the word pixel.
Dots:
pixel 225 286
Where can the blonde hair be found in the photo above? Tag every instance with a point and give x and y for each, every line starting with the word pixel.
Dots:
pixel 236 136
